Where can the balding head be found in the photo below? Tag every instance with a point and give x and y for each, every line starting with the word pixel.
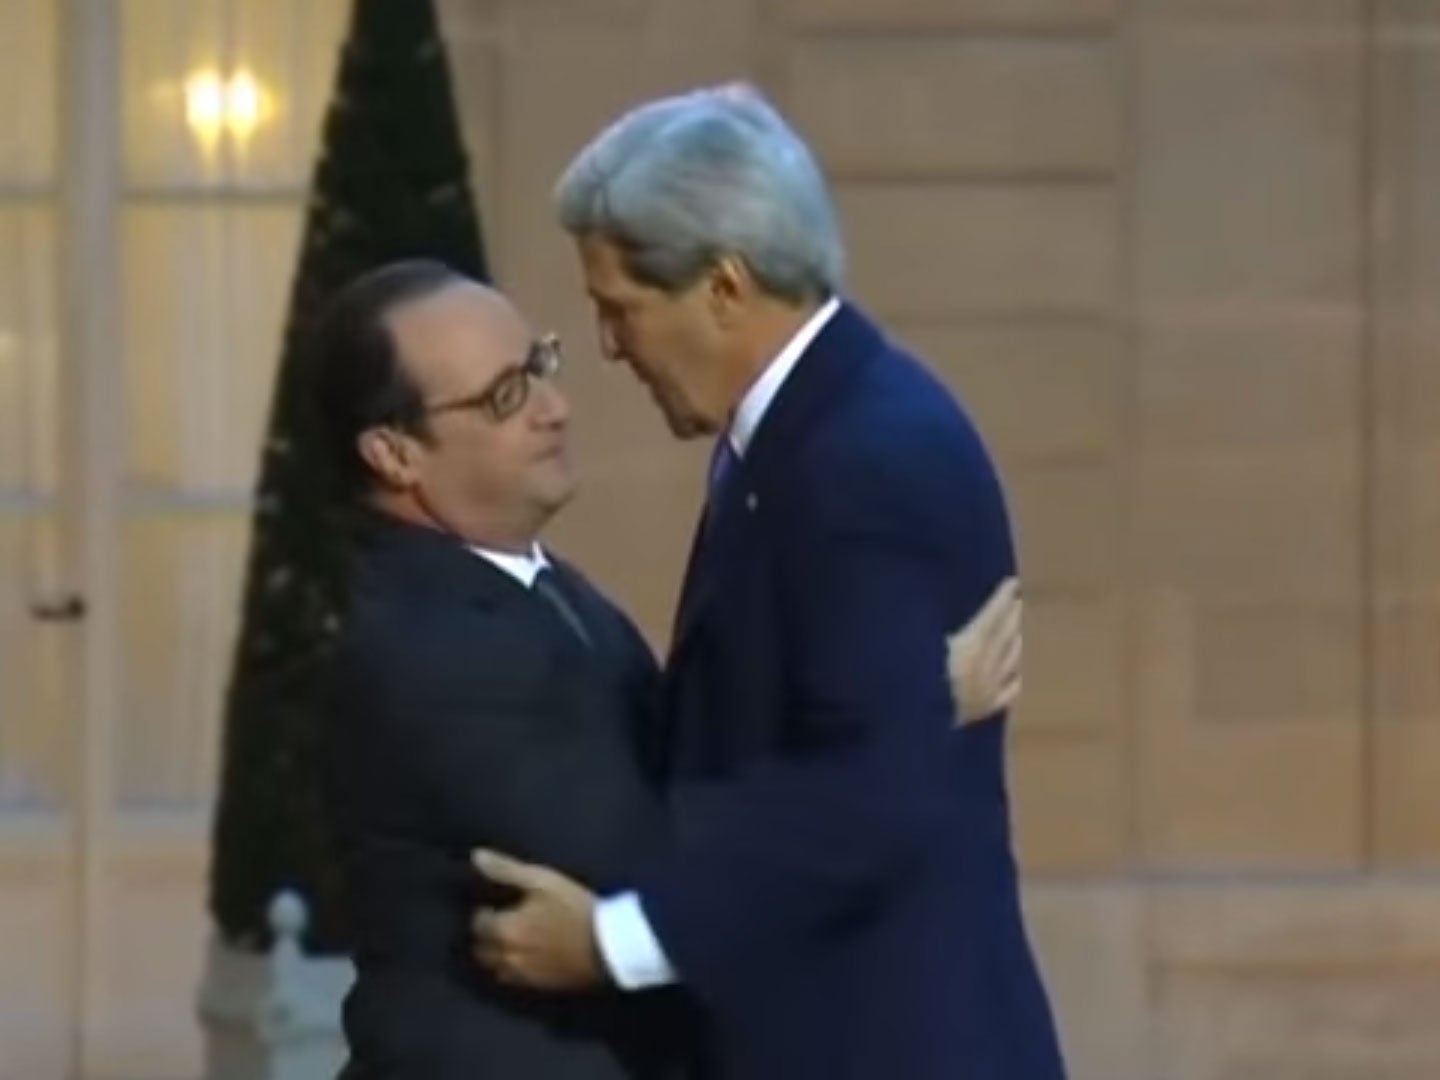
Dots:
pixel 359 379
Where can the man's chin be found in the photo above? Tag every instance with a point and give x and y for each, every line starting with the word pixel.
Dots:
pixel 689 427
pixel 558 494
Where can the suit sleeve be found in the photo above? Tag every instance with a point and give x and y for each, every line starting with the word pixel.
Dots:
pixel 813 837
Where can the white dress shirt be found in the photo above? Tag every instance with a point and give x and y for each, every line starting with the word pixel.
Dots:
pixel 628 945
pixel 523 568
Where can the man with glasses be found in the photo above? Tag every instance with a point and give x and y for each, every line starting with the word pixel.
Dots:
pixel 484 692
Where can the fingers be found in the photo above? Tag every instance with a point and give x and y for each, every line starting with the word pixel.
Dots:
pixel 985 655
pixel 994 620
pixel 504 870
pixel 487 927
pixel 1003 648
pixel 1010 644
pixel 1004 595
pixel 987 636
pixel 1005 663
pixel 485 930
pixel 490 947
pixel 999 619
pixel 1008 693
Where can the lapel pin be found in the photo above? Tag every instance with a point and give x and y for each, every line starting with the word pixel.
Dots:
pixel 751 502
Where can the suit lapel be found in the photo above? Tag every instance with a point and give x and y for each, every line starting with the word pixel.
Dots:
pixel 845 343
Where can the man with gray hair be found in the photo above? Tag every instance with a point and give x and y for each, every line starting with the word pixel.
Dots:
pixel 840 895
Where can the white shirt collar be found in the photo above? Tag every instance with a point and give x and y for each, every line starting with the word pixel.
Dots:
pixel 523 568
pixel 762 392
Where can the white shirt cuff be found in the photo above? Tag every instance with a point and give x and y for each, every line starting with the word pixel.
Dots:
pixel 628 946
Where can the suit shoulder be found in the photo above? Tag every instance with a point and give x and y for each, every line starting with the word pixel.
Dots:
pixel 897 428
pixel 902 405
pixel 427 648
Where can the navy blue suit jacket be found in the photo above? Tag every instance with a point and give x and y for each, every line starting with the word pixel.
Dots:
pixel 842 897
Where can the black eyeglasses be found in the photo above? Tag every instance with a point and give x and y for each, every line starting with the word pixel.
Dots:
pixel 507 395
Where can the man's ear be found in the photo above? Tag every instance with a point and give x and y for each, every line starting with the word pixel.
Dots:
pixel 730 285
pixel 390 455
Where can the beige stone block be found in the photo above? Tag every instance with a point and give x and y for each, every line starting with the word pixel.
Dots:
pixel 1408 14
pixel 1258 384
pixel 1249 16
pixel 1406 241
pixel 1406 133
pixel 910 14
pixel 1248 170
pixel 1273 665
pixel 1333 981
pixel 1405 787
pixel 1071 800
pixel 1406 792
pixel 525 16
pixel 630 529
pixel 936 105
pixel 462 22
pixel 1316 924
pixel 1090 941
pixel 695 24
pixel 1076 665
pixel 1407 647
pixel 1407 519
pixel 1038 391
pixel 1260 795
pixel 932 251
pixel 477 79
pixel 1253 526
pixel 1406 379
pixel 1360 1026
pixel 1069 526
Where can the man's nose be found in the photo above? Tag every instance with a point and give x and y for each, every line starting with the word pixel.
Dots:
pixel 552 408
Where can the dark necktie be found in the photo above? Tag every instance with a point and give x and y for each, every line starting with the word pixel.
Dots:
pixel 548 586
pixel 722 468
pixel 722 464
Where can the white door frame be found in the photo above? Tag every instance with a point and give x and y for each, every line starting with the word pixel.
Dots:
pixel 91 396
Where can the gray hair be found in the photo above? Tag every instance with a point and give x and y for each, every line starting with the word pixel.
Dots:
pixel 680 182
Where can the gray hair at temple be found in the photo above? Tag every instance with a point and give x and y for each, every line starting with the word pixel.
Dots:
pixel 680 182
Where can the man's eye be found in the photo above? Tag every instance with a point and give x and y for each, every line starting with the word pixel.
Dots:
pixel 509 390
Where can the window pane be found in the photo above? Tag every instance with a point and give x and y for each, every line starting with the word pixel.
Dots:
pixel 219 92
pixel 163 42
pixel 205 295
pixel 28 365
pixel 28 95
pixel 32 713
pixel 35 667
pixel 179 610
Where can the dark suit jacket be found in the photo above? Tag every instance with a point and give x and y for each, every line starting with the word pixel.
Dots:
pixel 466 713
pixel 843 898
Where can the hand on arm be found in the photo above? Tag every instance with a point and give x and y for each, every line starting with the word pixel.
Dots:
pixel 546 939
pixel 984 657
